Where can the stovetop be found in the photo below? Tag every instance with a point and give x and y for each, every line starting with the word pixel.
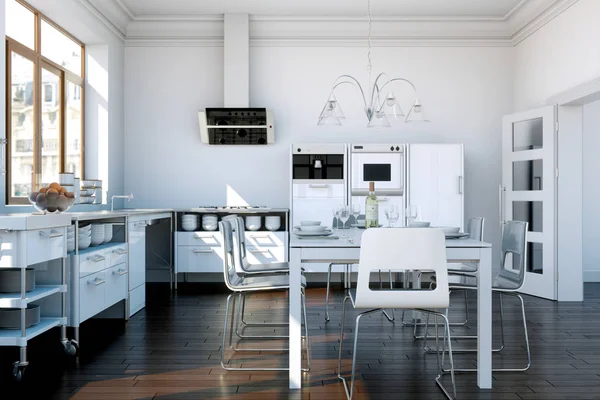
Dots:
pixel 232 207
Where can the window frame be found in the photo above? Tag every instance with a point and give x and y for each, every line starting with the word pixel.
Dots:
pixel 65 75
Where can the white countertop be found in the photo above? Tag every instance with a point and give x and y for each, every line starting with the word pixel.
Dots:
pixel 28 221
pixel 233 210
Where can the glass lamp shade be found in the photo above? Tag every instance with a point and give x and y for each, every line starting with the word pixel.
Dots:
pixel 417 113
pixel 332 112
pixel 390 106
pixel 378 120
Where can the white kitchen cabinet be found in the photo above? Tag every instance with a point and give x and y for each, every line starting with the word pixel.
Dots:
pixel 315 201
pixel 436 183
pixel 137 262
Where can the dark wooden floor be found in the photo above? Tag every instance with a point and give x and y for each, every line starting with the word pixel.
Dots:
pixel 170 350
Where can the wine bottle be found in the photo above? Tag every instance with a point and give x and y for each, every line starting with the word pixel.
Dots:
pixel 371 208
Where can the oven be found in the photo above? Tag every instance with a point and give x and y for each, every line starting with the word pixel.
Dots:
pixel 379 163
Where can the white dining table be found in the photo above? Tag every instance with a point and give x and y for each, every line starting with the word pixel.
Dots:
pixel 346 250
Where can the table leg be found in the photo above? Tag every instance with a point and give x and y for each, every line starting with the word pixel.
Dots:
pixel 295 329
pixel 484 319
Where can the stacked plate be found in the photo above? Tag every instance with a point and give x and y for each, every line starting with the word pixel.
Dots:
pixel 70 238
pixel 189 222
pixel 85 237
pixel 108 232
pixel 210 222
pixel 452 232
pixel 97 234
pixel 312 228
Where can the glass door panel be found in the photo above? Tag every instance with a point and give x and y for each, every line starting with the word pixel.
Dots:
pixel 73 140
pixel 51 122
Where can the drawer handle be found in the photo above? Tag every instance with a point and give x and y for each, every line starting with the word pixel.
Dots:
pixel 120 251
pixel 313 186
pixel 120 271
pixel 96 282
pixel 140 224
pixel 202 251
pixel 52 234
pixel 258 251
pixel 196 236
pixel 259 236
pixel 96 258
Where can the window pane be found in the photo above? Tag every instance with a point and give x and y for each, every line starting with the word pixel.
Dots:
pixel 60 49
pixel 528 135
pixel 73 129
pixel 22 118
pixel 20 24
pixel 51 101
pixel 535 257
pixel 531 212
pixel 527 175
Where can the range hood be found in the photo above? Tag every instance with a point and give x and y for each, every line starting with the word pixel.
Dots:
pixel 236 123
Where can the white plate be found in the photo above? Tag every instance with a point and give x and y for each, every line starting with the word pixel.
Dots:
pixel 300 233
pixel 449 229
pixel 317 228
pixel 456 235
pixel 310 223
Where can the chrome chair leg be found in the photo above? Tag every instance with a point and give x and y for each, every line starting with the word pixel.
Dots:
pixel 240 317
pixel 327 293
pixel 255 324
pixel 306 331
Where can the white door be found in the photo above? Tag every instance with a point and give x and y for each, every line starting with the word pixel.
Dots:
pixel 528 191
pixel 436 184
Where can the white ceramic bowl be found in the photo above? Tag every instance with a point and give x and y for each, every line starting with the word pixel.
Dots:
pixel 252 227
pixel 253 222
pixel 316 228
pixel 189 228
pixel 85 228
pixel 66 178
pixel 310 223
pixel 272 223
pixel 420 224
pixel 449 229
pixel 209 227
pixel 108 232
pixel 70 246
pixel 86 199
pixel 85 234
pixel 84 244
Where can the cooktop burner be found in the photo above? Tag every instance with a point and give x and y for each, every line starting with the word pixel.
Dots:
pixel 233 207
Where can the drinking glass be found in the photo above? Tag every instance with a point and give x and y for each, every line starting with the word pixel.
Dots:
pixel 356 212
pixel 412 213
pixel 392 214
pixel 344 216
pixel 336 216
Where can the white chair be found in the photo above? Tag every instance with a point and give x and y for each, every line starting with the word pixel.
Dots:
pixel 250 284
pixel 507 282
pixel 418 249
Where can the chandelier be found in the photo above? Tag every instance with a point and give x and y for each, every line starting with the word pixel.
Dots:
pixel 377 108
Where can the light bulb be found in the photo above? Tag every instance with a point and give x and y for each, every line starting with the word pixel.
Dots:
pixel 331 105
pixel 390 101
pixel 417 108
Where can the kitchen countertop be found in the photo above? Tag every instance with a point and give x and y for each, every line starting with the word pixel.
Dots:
pixel 233 210
pixel 28 221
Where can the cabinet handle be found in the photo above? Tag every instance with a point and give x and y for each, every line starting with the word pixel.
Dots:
pixel 140 224
pixel 120 251
pixel 202 251
pixel 460 185
pixel 313 186
pixel 96 258
pixel 258 251
pixel 259 236
pixel 96 282
pixel 197 236
pixel 120 272
pixel 53 234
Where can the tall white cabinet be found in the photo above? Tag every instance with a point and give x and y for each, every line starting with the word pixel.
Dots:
pixel 436 183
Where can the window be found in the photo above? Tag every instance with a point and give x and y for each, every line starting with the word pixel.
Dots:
pixel 44 124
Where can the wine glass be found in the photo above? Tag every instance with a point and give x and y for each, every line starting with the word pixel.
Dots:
pixel 392 214
pixel 336 216
pixel 344 216
pixel 412 213
pixel 356 212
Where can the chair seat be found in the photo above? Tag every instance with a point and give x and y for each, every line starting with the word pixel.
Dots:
pixel 265 282
pixel 278 267
pixel 500 283
pixel 463 267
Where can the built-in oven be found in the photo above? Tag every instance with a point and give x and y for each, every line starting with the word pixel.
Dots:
pixel 379 163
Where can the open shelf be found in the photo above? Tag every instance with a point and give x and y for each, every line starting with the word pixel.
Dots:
pixel 96 248
pixel 13 300
pixel 12 337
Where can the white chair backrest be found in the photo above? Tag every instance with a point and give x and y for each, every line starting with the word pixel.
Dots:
pixel 475 228
pixel 232 279
pixel 399 249
pixel 514 242
pixel 239 243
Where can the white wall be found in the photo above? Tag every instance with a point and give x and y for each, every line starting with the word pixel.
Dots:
pixel 561 55
pixel 104 119
pixel 465 90
pixel 591 192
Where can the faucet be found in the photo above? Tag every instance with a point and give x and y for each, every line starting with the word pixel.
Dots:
pixel 129 197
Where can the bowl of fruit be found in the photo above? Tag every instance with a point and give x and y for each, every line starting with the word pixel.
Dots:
pixel 52 199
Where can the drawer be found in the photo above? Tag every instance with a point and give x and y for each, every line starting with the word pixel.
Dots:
pixel 265 239
pixel 137 299
pixel 199 259
pixel 199 238
pixel 116 285
pixel 118 255
pixel 45 245
pixel 318 190
pixel 92 262
pixel 91 295
pixel 265 255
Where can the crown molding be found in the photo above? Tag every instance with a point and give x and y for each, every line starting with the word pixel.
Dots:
pixel 532 26
pixel 102 17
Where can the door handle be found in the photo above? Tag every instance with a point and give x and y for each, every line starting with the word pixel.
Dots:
pixel 501 204
pixel 313 186
pixel 53 234
pixel 120 271
pixel 96 282
pixel 460 184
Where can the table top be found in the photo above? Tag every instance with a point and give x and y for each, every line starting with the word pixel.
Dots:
pixel 353 236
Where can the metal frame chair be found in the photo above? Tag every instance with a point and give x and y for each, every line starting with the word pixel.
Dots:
pixel 507 282
pixel 241 284
pixel 404 249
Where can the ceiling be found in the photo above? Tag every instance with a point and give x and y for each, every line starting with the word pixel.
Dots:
pixel 496 9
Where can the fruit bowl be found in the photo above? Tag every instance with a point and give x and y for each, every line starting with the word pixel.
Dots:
pixel 52 200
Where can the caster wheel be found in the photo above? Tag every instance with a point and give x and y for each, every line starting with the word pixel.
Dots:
pixel 71 347
pixel 18 372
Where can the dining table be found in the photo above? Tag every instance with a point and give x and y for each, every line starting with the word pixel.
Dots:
pixel 343 246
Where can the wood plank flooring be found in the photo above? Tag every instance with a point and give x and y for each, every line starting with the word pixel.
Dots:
pixel 171 350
